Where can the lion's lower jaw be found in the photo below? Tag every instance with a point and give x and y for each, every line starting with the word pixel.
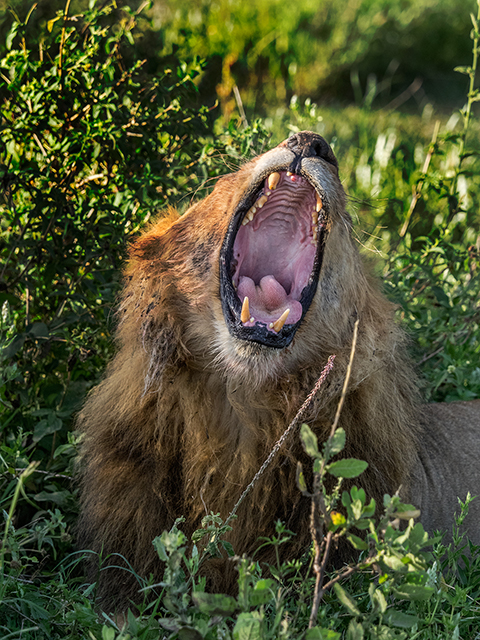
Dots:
pixel 246 361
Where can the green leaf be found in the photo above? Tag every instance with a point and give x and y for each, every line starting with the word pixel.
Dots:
pixel 418 537
pixel 348 468
pixel 319 633
pixel 262 592
pixel 356 542
pixel 57 497
pixel 337 442
pixel 11 35
pixel 189 633
pixel 38 330
pixel 395 563
pixel 346 599
pixel 354 631
pixel 14 346
pixel 301 482
pixel 214 604
pixel 108 633
pixel 377 599
pixel 414 592
pixel 47 427
pixel 213 550
pixel 198 535
pixel 440 295
pixel 228 548
pixel 248 626
pixel 465 70
pixel 160 549
pixel 310 441
pixel 400 619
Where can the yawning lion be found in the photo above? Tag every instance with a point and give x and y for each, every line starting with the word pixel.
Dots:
pixel 228 316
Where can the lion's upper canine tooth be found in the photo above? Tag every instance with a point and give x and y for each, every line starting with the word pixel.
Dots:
pixel 273 179
pixel 261 201
pixel 319 203
pixel 278 324
pixel 245 317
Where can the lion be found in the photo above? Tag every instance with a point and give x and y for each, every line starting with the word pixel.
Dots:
pixel 228 316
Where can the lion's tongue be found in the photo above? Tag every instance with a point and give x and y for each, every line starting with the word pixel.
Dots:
pixel 268 300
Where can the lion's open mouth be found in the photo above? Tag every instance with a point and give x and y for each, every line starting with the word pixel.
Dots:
pixel 271 258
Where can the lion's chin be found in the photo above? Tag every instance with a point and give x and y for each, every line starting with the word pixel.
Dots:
pixel 243 361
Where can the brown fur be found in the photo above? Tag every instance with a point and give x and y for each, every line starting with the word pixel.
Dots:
pixel 186 414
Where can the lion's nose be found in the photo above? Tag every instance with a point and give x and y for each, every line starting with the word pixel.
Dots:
pixel 307 144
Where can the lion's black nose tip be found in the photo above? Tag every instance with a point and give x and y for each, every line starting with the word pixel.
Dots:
pixel 307 144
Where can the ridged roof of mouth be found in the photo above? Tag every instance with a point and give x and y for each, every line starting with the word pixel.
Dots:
pixel 271 259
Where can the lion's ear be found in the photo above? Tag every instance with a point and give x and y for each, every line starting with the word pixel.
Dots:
pixel 149 329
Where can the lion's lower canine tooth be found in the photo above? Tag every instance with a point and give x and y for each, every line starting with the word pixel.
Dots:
pixel 315 217
pixel 273 179
pixel 278 324
pixel 245 317
pixel 319 203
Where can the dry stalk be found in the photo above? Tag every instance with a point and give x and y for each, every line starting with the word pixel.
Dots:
pixel 62 41
pixel 418 189
pixel 322 544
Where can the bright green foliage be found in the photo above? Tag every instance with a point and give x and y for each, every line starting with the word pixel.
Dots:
pixel 346 49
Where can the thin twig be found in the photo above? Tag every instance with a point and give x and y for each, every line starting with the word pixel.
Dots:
pixel 62 41
pixel 431 355
pixel 471 98
pixel 319 568
pixel 238 99
pixel 347 378
pixel 418 189
pixel 37 140
pixel 344 574
pixel 301 412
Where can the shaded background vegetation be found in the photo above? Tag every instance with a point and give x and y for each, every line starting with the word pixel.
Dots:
pixel 109 114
